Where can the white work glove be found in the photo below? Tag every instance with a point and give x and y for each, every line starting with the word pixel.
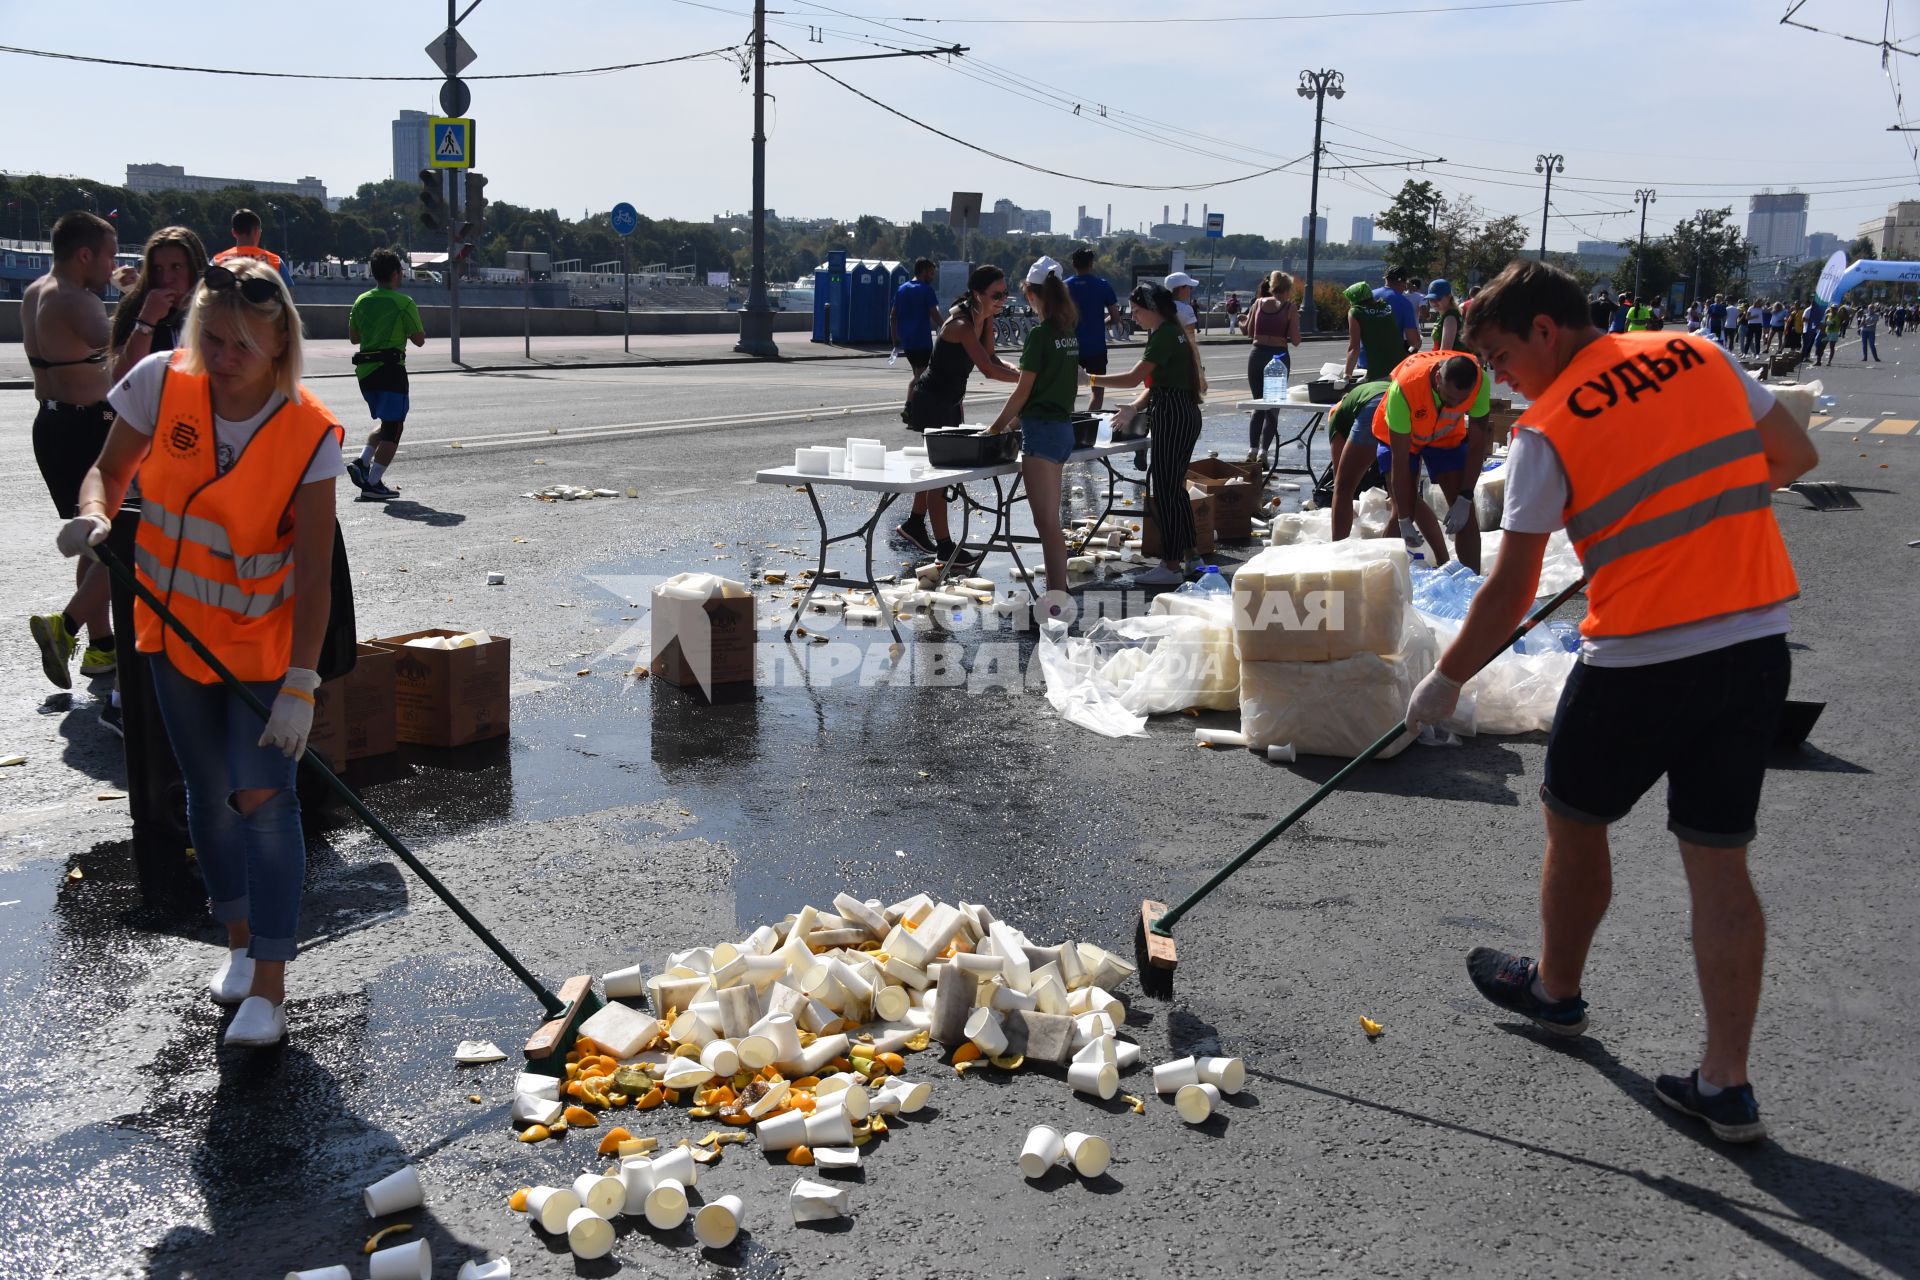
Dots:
pixel 1434 701
pixel 1459 513
pixel 292 717
pixel 1410 534
pixel 78 536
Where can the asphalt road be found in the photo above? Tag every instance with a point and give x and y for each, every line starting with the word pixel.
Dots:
pixel 622 821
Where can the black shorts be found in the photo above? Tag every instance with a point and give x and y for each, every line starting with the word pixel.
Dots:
pixel 925 412
pixel 1094 362
pixel 1706 722
pixel 67 439
pixel 918 357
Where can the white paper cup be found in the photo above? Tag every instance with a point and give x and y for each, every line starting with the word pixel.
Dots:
pixel 985 1029
pixel 812 1201
pixel 666 1206
pixel 855 1102
pixel 902 1097
pixel 718 1223
pixel 322 1273
pixel 677 1164
pixel 1007 1000
pixel 836 1157
pixel 636 1179
pixel 589 1235
pixel 1228 1074
pixel 1171 1077
pixel 890 1004
pixel 1195 1102
pixel 720 1057
pixel 625 984
pixel 1090 1154
pixel 491 1269
pixel 600 1194
pixel 1281 752
pixel 830 1128
pixel 549 1207
pixel 755 1052
pixel 398 1190
pixel 410 1261
pixel 784 1033
pixel 1099 1079
pixel 1042 1151
pixel 1126 1054
pixel 783 1132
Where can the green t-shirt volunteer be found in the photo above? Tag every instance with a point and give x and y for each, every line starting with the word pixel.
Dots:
pixel 1639 318
pixel 1053 358
pixel 1167 353
pixel 1347 413
pixel 384 319
pixel 1400 413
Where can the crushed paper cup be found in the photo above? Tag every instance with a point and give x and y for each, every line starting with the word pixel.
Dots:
pixel 1099 1079
pixel 491 1269
pixel 1229 1075
pixel 322 1273
pixel 549 1207
pixel 410 1261
pixel 718 1222
pixel 629 983
pixel 985 1029
pixel 1006 1000
pixel 528 1109
pixel 624 1031
pixel 1219 737
pixel 1089 1154
pixel 398 1190
pixel 589 1235
pixel 477 1051
pixel 812 1201
pixel 836 1157
pixel 1195 1102
pixel 536 1085
pixel 666 1206
pixel 1042 1150
pixel 1101 1050
pixel 1171 1077
pixel 768 1101
pixel 600 1194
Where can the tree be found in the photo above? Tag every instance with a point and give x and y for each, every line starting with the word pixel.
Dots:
pixel 1498 242
pixel 1708 247
pixel 1657 273
pixel 1411 221
pixel 1862 248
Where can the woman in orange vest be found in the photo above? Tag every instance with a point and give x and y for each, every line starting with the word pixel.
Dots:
pixel 1659 457
pixel 236 463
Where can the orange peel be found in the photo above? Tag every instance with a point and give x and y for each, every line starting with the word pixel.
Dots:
pixel 518 1200
pixel 580 1116
pixel 610 1145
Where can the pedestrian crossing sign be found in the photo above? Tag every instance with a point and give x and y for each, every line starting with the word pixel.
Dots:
pixel 452 139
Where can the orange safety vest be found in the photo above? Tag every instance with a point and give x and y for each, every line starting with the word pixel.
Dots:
pixel 1668 499
pixel 1433 426
pixel 250 251
pixel 218 549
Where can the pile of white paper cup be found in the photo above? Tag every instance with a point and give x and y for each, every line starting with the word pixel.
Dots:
pixel 1086 1154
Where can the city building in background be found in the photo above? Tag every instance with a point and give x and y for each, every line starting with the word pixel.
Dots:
pixel 409 145
pixel 1362 231
pixel 1897 233
pixel 1821 244
pixel 1087 228
pixel 1777 224
pixel 1319 229
pixel 147 179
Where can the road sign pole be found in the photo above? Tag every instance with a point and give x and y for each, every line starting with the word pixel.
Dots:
pixel 453 276
pixel 626 302
pixel 526 308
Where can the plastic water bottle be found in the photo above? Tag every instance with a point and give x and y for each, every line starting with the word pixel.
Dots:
pixel 1212 582
pixel 1273 383
pixel 893 359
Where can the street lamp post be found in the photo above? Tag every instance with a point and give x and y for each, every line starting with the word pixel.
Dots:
pixel 1316 85
pixel 1645 197
pixel 1549 165
pixel 687 248
pixel 756 319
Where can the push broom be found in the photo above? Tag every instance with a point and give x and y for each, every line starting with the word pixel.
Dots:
pixel 546 1050
pixel 1153 947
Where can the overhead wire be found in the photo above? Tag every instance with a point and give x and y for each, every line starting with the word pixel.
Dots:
pixel 724 51
pixel 1282 17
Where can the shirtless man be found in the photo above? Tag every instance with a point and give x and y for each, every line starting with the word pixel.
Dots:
pixel 63 326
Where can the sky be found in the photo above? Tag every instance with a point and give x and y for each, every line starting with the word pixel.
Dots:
pixel 1703 101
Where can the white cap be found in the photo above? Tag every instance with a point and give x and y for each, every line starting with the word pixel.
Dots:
pixel 1041 269
pixel 1181 280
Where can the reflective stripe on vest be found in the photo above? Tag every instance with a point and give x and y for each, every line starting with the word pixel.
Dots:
pixel 1433 426
pixel 217 595
pixel 213 537
pixel 1669 504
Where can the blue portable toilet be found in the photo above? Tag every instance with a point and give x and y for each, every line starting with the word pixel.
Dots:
pixel 830 298
pixel 868 299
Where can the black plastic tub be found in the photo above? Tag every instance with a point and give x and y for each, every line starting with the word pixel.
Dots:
pixel 970 447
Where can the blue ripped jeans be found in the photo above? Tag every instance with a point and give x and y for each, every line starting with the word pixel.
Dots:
pixel 254 864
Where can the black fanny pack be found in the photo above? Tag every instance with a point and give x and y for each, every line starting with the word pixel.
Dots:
pixel 389 356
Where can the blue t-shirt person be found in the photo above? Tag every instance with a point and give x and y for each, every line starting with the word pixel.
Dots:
pixel 1091 295
pixel 1405 314
pixel 913 306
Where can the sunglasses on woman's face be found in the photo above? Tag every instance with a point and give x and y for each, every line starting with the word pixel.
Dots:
pixel 996 294
pixel 252 288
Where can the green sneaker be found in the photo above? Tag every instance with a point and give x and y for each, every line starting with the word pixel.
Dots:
pixel 56 646
pixel 95 661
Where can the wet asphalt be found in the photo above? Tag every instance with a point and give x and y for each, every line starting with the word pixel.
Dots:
pixel 624 819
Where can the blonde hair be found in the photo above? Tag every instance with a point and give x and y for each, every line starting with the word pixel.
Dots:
pixel 233 305
pixel 1279 284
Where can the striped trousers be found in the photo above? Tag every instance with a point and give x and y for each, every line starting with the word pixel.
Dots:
pixel 1175 418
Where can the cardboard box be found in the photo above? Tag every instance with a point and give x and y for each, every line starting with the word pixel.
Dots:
pixel 1203 536
pixel 1234 498
pixel 328 737
pixel 1500 424
pixel 703 632
pixel 449 697
pixel 371 730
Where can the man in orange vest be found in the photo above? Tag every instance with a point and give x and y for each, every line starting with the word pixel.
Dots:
pixel 245 225
pixel 1659 457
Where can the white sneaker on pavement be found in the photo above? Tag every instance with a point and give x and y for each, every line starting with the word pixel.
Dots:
pixel 233 979
pixel 259 1023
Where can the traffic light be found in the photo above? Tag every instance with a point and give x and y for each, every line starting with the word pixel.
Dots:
pixel 460 248
pixel 477 204
pixel 433 203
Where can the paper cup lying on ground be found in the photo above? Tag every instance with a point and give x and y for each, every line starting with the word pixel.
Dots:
pixel 836 1157
pixel 600 1194
pixel 720 1057
pixel 321 1273
pixel 1195 1102
pixel 666 1206
pixel 677 1164
pixel 549 1207
pixel 902 1097
pixel 589 1234
pixel 1099 1079
pixel 536 1085
pixel 830 1128
pixel 718 1224
pixel 1229 1074
pixel 891 1003
pixel 855 1102
pixel 812 1201
pixel 1041 1151
pixel 625 984
pixel 1281 752
pixel 984 1028
pixel 1089 1153
pixel 491 1269
pixel 783 1132
pixel 528 1109
pixel 410 1261
pixel 636 1178
pixel 1171 1077
pixel 398 1190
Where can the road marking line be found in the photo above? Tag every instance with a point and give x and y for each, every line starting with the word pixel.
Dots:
pixel 1818 419
pixel 615 429
pixel 1896 426
pixel 677 493
pixel 1847 424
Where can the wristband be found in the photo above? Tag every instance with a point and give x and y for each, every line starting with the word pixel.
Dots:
pixel 302 694
pixel 141 326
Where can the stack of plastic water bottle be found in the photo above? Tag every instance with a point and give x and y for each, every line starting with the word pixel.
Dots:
pixel 1447 592
pixel 1211 582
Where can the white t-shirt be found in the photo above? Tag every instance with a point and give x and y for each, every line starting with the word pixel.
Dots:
pixel 1185 311
pixel 1536 499
pixel 137 400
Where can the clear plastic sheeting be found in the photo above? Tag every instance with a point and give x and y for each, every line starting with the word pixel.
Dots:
pixel 1335 708
pixel 1518 692
pixel 1559 568
pixel 1122 671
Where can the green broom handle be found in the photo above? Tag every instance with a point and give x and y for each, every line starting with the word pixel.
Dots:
pixel 1164 925
pixel 126 578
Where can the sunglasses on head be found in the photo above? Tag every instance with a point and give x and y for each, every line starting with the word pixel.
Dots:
pixel 253 288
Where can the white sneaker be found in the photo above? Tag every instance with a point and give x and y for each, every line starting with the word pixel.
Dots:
pixel 1159 576
pixel 259 1023
pixel 233 979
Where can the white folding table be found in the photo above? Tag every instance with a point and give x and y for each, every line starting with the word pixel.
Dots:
pixel 1310 418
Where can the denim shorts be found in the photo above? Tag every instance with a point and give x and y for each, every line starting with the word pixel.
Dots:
pixel 1706 722
pixel 1048 438
pixel 1439 461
